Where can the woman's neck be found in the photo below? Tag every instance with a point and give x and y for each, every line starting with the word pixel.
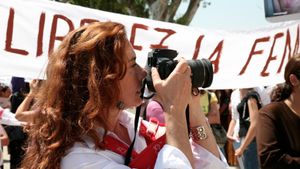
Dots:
pixel 293 103
pixel 113 119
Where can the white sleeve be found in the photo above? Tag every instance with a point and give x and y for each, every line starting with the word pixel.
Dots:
pixel 235 100
pixel 206 160
pixel 171 157
pixel 9 118
pixel 86 158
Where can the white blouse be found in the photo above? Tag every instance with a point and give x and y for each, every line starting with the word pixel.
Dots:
pixel 84 155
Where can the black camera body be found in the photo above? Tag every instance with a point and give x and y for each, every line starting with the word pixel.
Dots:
pixel 163 60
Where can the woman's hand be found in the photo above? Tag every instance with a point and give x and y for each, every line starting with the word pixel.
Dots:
pixel 34 86
pixel 176 89
pixel 239 152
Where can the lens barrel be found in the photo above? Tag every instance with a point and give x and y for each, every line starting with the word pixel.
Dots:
pixel 162 59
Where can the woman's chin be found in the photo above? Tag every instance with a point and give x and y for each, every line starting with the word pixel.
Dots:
pixel 139 102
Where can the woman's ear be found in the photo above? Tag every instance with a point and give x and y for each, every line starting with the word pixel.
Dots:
pixel 294 80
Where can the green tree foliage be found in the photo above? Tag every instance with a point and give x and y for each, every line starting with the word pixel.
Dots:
pixel 163 10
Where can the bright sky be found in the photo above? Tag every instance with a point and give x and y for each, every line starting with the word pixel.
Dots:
pixel 230 15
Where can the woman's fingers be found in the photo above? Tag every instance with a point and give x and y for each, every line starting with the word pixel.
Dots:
pixel 156 80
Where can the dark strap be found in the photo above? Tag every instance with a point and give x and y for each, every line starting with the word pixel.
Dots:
pixel 187 118
pixel 136 121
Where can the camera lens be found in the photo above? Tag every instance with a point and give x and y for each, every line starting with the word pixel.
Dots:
pixel 163 60
pixel 202 72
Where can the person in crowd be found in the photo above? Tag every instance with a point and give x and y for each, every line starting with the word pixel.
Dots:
pixel 224 101
pixel 248 111
pixel 26 111
pixel 278 137
pixel 19 91
pixel 225 117
pixel 242 129
pixel 154 110
pixel 5 93
pixel 91 79
pixel 17 136
pixel 210 107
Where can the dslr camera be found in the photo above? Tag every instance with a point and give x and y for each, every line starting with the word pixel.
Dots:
pixel 163 60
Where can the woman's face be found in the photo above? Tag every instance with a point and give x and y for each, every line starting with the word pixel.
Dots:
pixel 6 93
pixel 131 84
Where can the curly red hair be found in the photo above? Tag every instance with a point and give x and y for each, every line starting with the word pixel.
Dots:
pixel 82 84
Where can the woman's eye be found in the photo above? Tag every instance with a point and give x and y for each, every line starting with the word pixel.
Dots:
pixel 134 65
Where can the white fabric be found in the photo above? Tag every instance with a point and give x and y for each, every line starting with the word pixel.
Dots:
pixel 235 100
pixel 264 95
pixel 83 155
pixel 220 46
pixel 9 118
pixel 169 158
pixel 204 159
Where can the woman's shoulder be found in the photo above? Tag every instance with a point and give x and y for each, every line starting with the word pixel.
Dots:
pixel 82 155
pixel 273 109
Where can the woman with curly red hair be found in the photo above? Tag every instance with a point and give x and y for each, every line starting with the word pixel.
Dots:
pixel 91 79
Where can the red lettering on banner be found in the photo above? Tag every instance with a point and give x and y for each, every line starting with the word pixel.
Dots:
pixel 87 21
pixel 160 45
pixel 197 46
pixel 296 42
pixel 53 36
pixel 133 33
pixel 39 50
pixel 253 52
pixel 9 35
pixel 217 50
pixel 271 57
pixel 287 45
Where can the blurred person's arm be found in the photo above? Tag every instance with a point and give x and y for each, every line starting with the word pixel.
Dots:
pixel 231 126
pixel 213 114
pixel 234 119
pixel 25 105
pixel 23 112
pixel 253 113
pixel 230 130
pixel 27 116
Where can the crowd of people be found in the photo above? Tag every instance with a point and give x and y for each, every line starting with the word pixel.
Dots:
pixel 78 118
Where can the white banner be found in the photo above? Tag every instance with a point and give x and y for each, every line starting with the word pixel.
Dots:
pixel 31 28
